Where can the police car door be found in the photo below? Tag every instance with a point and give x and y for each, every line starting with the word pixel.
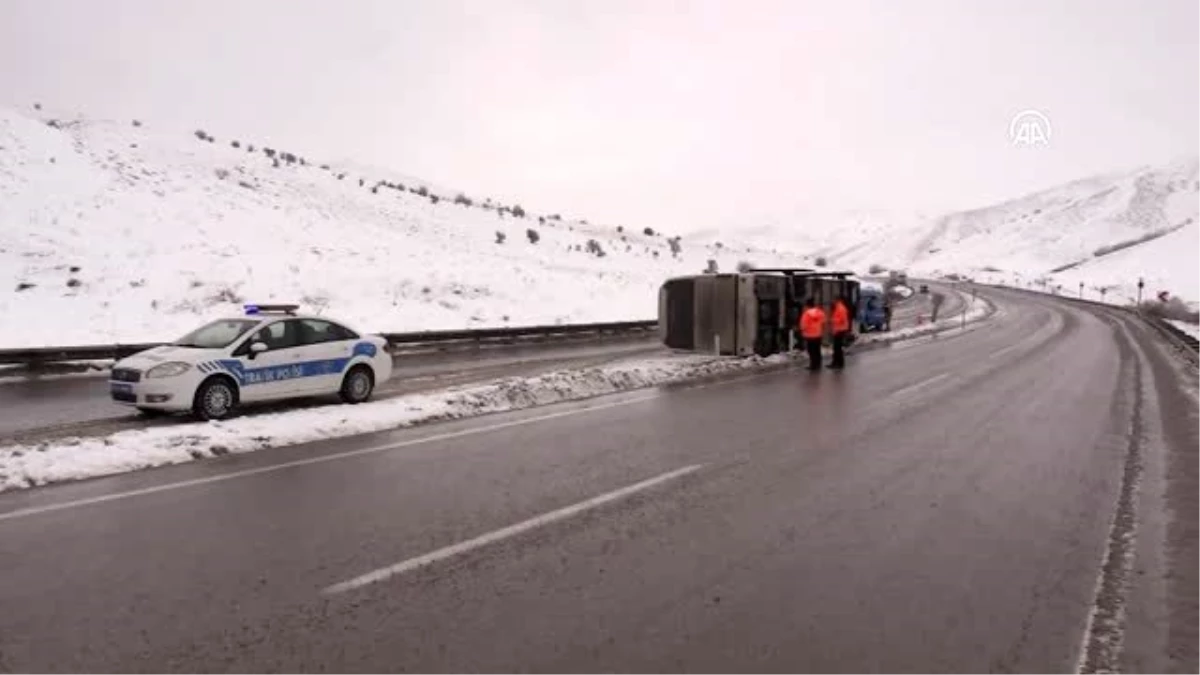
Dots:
pixel 270 374
pixel 326 350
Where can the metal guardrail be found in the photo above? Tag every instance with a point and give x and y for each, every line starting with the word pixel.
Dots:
pixel 430 340
pixel 1187 340
pixel 1185 344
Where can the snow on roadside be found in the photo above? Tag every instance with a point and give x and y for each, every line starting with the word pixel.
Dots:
pixel 977 309
pixel 23 466
pixel 31 465
pixel 1189 328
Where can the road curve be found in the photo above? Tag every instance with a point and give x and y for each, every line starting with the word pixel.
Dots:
pixel 945 505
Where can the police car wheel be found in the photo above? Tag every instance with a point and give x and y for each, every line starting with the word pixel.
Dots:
pixel 214 400
pixel 357 385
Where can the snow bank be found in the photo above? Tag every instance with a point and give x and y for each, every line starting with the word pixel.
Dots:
pixel 1188 328
pixel 25 466
pixel 977 310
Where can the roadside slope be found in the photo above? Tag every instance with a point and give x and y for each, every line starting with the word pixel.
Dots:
pixel 121 233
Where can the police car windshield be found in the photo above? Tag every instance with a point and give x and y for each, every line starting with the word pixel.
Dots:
pixel 217 334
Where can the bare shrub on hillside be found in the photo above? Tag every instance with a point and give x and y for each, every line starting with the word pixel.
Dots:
pixel 1174 309
pixel 225 294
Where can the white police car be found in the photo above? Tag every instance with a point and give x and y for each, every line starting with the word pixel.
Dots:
pixel 270 353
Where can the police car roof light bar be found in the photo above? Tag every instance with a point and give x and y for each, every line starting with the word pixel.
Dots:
pixel 270 309
pixel 835 275
pixel 780 270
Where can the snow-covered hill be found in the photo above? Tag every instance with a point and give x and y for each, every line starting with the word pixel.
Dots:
pixel 116 231
pixel 1106 231
pixel 121 231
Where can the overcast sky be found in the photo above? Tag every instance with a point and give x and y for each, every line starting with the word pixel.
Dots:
pixel 682 114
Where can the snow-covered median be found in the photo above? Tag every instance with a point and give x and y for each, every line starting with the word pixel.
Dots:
pixel 24 466
pixel 977 310
pixel 1188 328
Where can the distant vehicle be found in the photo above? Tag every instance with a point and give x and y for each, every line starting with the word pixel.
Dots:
pixel 269 353
pixel 874 309
pixel 923 289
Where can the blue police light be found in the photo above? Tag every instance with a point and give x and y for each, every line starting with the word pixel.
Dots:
pixel 252 310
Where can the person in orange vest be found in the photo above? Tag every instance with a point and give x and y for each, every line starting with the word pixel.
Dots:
pixel 841 331
pixel 812 329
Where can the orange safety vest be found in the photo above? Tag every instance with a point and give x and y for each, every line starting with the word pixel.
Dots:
pixel 841 317
pixel 812 323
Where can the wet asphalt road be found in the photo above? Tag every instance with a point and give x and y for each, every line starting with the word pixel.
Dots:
pixel 38 408
pixel 938 507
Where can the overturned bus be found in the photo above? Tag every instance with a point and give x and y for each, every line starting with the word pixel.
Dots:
pixel 752 312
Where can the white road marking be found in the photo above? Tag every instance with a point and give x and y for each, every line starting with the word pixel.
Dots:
pixel 411 564
pixel 35 510
pixel 920 385
pixel 1002 352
